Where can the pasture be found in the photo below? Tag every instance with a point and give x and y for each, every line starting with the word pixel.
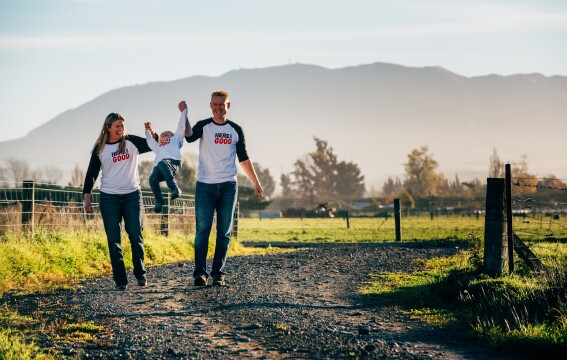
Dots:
pixel 414 228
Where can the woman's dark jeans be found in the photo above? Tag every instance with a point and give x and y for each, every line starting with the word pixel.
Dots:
pixel 113 209
pixel 208 199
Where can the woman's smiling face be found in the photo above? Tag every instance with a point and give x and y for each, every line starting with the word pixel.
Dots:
pixel 116 131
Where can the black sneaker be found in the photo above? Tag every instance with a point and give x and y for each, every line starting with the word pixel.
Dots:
pixel 142 282
pixel 158 207
pixel 175 193
pixel 201 280
pixel 218 280
pixel 121 287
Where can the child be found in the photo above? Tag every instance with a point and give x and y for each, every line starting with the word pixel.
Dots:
pixel 168 157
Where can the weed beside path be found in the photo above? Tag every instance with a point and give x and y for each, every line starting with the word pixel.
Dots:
pixel 302 304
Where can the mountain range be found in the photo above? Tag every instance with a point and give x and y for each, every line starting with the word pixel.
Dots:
pixel 373 115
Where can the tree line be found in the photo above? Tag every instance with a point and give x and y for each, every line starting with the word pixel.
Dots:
pixel 321 177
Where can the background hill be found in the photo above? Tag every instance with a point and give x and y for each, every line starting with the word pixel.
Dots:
pixel 373 115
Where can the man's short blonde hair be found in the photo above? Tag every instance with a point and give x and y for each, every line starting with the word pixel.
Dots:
pixel 220 93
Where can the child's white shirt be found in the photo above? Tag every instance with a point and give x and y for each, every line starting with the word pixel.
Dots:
pixel 172 148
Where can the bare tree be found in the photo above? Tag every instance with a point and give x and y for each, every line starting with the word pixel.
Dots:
pixel 17 170
pixel 3 174
pixel 520 169
pixel 77 176
pixel 520 173
pixel 48 174
pixel 496 168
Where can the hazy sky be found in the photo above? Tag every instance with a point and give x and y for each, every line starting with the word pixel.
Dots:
pixel 58 54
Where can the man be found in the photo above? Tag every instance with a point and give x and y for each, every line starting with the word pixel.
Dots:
pixel 221 143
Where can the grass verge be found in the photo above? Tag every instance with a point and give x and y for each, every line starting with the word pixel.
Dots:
pixel 49 261
pixel 523 313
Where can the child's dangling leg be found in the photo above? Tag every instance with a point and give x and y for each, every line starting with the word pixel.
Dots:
pixel 168 169
pixel 155 179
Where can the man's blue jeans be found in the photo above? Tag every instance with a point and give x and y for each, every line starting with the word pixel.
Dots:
pixel 165 170
pixel 113 209
pixel 208 199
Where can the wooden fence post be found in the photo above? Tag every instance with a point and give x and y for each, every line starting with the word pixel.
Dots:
pixel 397 219
pixel 347 220
pixel 28 206
pixel 495 244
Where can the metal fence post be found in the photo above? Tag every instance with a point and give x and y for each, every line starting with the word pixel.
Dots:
pixel 28 206
pixel 495 244
pixel 397 219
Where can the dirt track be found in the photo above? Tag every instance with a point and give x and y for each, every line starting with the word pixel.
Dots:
pixel 303 304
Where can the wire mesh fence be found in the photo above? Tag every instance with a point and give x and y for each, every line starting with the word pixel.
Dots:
pixel 29 207
pixel 539 212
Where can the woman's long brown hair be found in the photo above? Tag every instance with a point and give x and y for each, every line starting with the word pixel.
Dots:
pixel 103 136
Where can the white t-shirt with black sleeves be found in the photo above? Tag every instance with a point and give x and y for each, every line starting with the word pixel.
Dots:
pixel 119 169
pixel 219 147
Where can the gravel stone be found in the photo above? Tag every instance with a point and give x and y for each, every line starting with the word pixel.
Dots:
pixel 304 304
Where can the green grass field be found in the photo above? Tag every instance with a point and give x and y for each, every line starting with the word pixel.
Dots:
pixel 54 260
pixel 413 228
pixel 360 230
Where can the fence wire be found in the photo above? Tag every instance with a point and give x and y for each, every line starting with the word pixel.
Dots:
pixel 29 207
pixel 539 212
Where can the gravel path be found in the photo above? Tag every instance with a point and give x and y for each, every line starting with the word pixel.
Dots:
pixel 303 304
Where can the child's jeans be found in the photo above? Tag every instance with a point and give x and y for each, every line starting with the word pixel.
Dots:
pixel 165 170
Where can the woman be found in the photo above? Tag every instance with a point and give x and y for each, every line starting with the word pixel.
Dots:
pixel 116 154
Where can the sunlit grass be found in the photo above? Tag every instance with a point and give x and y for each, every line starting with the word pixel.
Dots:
pixel 79 332
pixel 54 260
pixel 360 229
pixel 48 261
pixel 15 346
pixel 16 337
pixel 524 311
pixel 437 317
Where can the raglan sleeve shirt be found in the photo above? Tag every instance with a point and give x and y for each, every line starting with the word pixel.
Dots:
pixel 92 172
pixel 119 169
pixel 219 147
